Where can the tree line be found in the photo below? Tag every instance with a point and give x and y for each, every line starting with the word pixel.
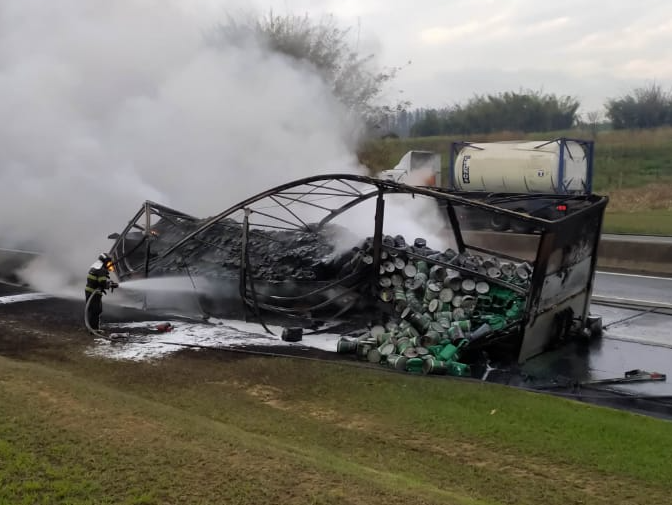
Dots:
pixel 648 106
pixel 356 81
pixel 525 111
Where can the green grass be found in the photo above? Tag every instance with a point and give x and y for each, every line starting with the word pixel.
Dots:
pixel 202 429
pixel 653 222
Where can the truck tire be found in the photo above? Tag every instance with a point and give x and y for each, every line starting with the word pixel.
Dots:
pixel 521 226
pixel 499 223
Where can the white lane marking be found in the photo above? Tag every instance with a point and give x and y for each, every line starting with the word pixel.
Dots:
pixel 635 302
pixel 634 275
pixel 21 251
pixel 13 284
pixel 26 297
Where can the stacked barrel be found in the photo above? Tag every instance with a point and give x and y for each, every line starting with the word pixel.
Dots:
pixel 439 310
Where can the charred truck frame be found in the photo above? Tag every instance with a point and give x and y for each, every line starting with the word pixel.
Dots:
pixel 299 218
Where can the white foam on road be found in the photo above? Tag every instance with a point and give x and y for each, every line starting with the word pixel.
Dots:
pixel 135 344
pixel 631 325
pixel 25 297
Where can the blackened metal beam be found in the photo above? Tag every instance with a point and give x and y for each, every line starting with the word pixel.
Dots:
pixel 378 232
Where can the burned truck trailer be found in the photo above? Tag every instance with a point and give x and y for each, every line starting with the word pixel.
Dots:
pixel 293 251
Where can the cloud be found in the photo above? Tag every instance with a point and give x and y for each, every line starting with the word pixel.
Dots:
pixel 544 27
pixel 654 68
pixel 481 29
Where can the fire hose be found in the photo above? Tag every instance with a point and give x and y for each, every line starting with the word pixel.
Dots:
pixel 86 314
pixel 98 333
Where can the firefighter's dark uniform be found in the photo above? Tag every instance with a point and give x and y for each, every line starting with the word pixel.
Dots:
pixel 98 278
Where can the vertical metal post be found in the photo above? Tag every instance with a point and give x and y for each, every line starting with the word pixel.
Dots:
pixel 593 264
pixel 148 236
pixel 589 175
pixel 544 251
pixel 378 232
pixel 455 225
pixel 242 284
pixel 450 183
pixel 561 167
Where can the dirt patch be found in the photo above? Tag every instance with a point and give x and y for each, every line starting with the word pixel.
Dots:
pixel 649 197
pixel 518 467
pixel 268 395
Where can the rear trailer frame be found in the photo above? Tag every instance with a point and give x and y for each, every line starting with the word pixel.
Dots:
pixel 561 254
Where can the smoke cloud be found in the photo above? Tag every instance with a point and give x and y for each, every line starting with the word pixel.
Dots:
pixel 107 104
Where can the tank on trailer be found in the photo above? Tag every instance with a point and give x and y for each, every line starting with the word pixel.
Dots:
pixel 559 166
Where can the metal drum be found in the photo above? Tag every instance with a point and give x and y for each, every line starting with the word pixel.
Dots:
pixel 400 300
pixel 410 270
pixel 437 273
pixel 468 286
pixel 482 288
pixel 386 295
pixel 432 292
pixel 507 269
pixel 422 267
pixel 397 280
pixel 494 273
pixel 455 284
pixel 468 303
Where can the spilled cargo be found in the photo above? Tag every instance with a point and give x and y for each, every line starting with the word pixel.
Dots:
pixel 436 311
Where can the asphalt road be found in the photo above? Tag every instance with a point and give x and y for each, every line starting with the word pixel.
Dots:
pixel 634 287
pixel 638 238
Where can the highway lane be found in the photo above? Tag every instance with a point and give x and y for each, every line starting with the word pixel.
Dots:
pixel 659 239
pixel 633 287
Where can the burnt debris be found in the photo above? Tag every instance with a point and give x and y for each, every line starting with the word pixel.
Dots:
pixel 282 252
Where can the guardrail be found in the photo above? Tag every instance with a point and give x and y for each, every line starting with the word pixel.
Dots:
pixel 623 252
pixel 12 260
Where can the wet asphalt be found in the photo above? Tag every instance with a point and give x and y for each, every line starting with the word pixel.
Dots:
pixel 638 287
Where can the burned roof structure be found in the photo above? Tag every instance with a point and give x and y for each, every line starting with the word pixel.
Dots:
pixel 281 251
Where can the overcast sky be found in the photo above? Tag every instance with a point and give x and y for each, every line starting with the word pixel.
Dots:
pixel 588 49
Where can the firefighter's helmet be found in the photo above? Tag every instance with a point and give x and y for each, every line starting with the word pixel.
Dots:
pixel 107 261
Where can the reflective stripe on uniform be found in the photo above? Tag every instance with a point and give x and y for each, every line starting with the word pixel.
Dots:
pixel 89 289
pixel 92 277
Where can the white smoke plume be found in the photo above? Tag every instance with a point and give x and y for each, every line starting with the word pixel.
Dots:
pixel 412 216
pixel 107 104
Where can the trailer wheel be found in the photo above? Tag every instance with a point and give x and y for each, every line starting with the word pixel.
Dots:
pixel 500 223
pixel 521 226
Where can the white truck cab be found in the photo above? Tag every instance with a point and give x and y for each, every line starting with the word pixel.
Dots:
pixel 416 168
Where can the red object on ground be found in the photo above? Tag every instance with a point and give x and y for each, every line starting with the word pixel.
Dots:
pixel 164 327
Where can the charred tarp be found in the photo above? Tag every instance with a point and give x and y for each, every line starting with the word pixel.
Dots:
pixel 279 252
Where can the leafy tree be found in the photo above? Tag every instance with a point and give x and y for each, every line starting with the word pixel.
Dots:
pixel 646 107
pixel 323 45
pixel 431 124
pixel 520 111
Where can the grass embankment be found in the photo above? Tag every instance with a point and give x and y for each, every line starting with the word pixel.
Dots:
pixel 198 429
pixel 634 168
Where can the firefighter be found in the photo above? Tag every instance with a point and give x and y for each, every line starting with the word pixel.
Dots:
pixel 97 282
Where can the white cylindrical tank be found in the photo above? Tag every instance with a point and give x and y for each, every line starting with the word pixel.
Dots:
pixel 521 167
